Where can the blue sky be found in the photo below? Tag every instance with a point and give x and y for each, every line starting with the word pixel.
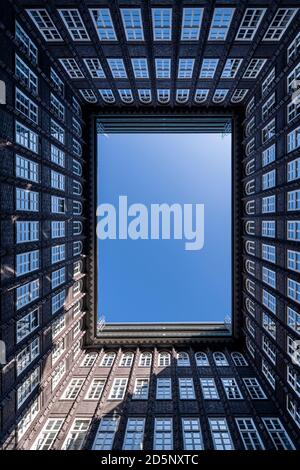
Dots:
pixel 158 280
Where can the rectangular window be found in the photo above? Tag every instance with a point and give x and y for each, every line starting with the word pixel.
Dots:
pixel 27 293
pixel 293 140
pixel 44 24
pixel 231 68
pixel 268 107
pixel 268 228
pixel 103 24
pixel 27 355
pixel 293 290
pixel 141 389
pixel 57 229
pixel 27 262
pixel 58 277
pixel 294 49
pixel 269 155
pixel 162 24
pixel 58 374
pixel 58 301
pixel 71 67
pixel 118 389
pixel 94 67
pixel 58 205
pixel 220 434
pixel 27 324
pixel 269 301
pixel 27 200
pixel 27 418
pixel 268 373
pixel 293 260
pixel 268 83
pixel 269 277
pixel 231 389
pixel 293 350
pixel 117 68
pixel 58 349
pixel 25 74
pixel 27 386
pixel 249 434
pixel 77 434
pixel 132 22
pixel 163 434
pixel 268 204
pixel 209 389
pixel 220 24
pixel 293 230
pixel 293 319
pixel 293 379
pixel 57 156
pixel 186 389
pixel 134 434
pixel 254 389
pixel 140 67
pixel 27 44
pixel 57 180
pixel 27 138
pixel 58 253
pixel 57 107
pixel 57 82
pixel 208 68
pixel 269 180
pixel 57 132
pixel 250 24
pixel 95 390
pixel 48 434
pixel 268 132
pixel 163 389
pixel 26 106
pixel 27 231
pixel 185 68
pixel 74 24
pixel 254 68
pixel 278 434
pixel 192 436
pixel 279 24
pixel 191 24
pixel 27 169
pixel 269 325
pixel 269 349
pixel 163 68
pixel 106 433
pixel 58 325
pixel 293 200
pixel 293 170
pixel 73 389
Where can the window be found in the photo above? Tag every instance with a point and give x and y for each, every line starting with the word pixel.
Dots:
pixel 107 95
pixel 249 434
pixel 26 106
pixel 279 24
pixel 57 156
pixel 183 359
pixel 269 325
pixel 126 95
pixel 77 434
pixel 293 230
pixel 269 349
pixel 219 95
pixel 58 205
pixel 58 325
pixel 76 106
pixel 293 170
pixel 94 67
pixel 163 434
pixel 71 67
pixel 269 180
pixel 278 434
pixel 57 82
pixel 163 389
pixel 268 132
pixel 162 24
pixel 145 359
pixel 239 359
pixel 118 389
pixel 27 293
pixel 88 95
pixel 108 359
pixel 134 434
pixel 182 95
pixel 201 359
pixel 268 228
pixel 44 24
pixel 250 346
pixel 117 68
pixel 27 169
pixel 269 301
pixel 269 155
pixel 27 386
pixel 96 388
pixel 27 138
pixel 27 324
pixel 293 200
pixel 132 22
pixel 48 434
pixel 268 204
pixel 254 389
pixel 145 96
pixel 294 410
pixel 209 389
pixel 106 433
pixel 292 350
pixel 293 111
pixel 27 231
pixel 57 180
pixel 191 24
pixel 239 95
pixel 293 290
pixel 163 95
pixel 27 419
pixel 25 74
pixel 293 379
pixel 250 24
pixel 58 350
pixel 74 24
pixel 268 83
pixel 231 68
pixel 293 140
pixel 220 24
pixel 73 389
pixel 58 374
pixel 57 229
pixel 77 248
pixel 185 68
pixel 269 277
pixel 103 24
pixel 254 68
pixel 294 48
pixel 27 262
pixel 192 437
pixel 164 359
pixel 141 389
pixel 58 301
pixel 293 260
pixel 186 389
pixel 250 107
pixel 27 44
pixel 292 77
pixel 293 319
pixel 58 277
pixel 220 434
pixel 208 68
pixel 126 360
pixel 201 95
pixel 163 68
pixel 220 359
pixel 57 132
pixel 57 107
pixel 268 373
pixel 231 389
pixel 27 355
pixel 140 68
pixel 58 253
pixel 268 107
pixel 269 253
